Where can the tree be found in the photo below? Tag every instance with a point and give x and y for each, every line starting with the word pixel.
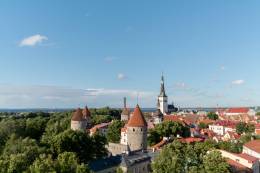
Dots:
pixel 66 162
pixel 183 158
pixel 114 131
pixel 203 125
pixel 170 160
pixel 240 127
pixel 213 162
pixel 153 137
pixel 35 127
pixel 170 129
pixel 43 164
pixel 258 113
pixel 243 127
pixel 80 143
pixel 212 116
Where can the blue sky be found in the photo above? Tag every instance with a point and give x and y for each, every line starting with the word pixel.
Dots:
pixel 57 53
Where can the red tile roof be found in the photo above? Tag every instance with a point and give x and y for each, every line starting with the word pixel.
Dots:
pixel 253 145
pixel 77 115
pixel 191 140
pixel 174 118
pixel 137 119
pixel 239 167
pixel 99 126
pixel 237 110
pixel 123 129
pixel 160 144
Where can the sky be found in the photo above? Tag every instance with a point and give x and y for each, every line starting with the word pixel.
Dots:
pixel 66 54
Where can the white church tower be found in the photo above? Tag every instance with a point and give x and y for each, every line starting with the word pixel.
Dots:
pixel 163 99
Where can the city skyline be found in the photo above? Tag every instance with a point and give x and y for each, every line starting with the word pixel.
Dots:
pixel 69 54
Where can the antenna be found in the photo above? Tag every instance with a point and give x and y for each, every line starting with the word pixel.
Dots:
pixel 137 98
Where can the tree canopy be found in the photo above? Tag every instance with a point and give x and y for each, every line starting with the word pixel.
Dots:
pixel 212 116
pixel 185 158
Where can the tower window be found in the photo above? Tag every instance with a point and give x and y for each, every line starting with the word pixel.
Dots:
pixel 141 129
pixel 133 130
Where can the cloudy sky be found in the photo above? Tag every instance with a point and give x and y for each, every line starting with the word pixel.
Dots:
pixel 63 54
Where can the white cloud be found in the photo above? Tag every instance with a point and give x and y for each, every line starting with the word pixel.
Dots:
pixel 33 40
pixel 222 68
pixel 110 58
pixel 14 96
pixel 121 76
pixel 180 85
pixel 238 82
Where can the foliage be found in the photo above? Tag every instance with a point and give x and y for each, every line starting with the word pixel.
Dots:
pixel 258 113
pixel 78 142
pixel 167 129
pixel 212 116
pixel 220 164
pixel 153 137
pixel 114 131
pixel 43 142
pixel 243 127
pixel 203 125
pixel 66 162
pixel 182 158
pixel 98 119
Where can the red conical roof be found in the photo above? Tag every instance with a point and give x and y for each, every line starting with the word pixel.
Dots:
pixel 86 112
pixel 77 115
pixel 137 119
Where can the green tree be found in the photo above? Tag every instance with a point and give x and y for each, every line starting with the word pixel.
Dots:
pixel 114 131
pixel 153 137
pixel 170 160
pixel 243 127
pixel 240 127
pixel 43 164
pixel 35 127
pixel 203 125
pixel 213 162
pixel 212 116
pixel 169 129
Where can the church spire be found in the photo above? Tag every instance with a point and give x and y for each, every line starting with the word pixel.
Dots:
pixel 162 92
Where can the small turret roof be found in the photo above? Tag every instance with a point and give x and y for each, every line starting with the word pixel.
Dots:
pixel 77 115
pixel 137 119
pixel 86 112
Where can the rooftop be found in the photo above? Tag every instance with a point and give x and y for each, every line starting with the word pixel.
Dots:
pixel 137 119
pixel 253 145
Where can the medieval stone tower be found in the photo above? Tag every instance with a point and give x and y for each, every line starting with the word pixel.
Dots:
pixel 163 99
pixel 137 131
pixel 80 119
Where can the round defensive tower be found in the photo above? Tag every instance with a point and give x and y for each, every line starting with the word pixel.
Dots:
pixel 137 131
pixel 78 122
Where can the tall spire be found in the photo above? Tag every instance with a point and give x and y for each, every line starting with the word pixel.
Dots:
pixel 162 92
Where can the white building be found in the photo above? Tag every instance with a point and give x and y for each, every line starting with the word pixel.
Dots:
pixel 252 148
pixel 241 160
pixel 222 129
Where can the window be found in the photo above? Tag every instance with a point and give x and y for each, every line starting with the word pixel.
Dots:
pixel 141 129
pixel 133 130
